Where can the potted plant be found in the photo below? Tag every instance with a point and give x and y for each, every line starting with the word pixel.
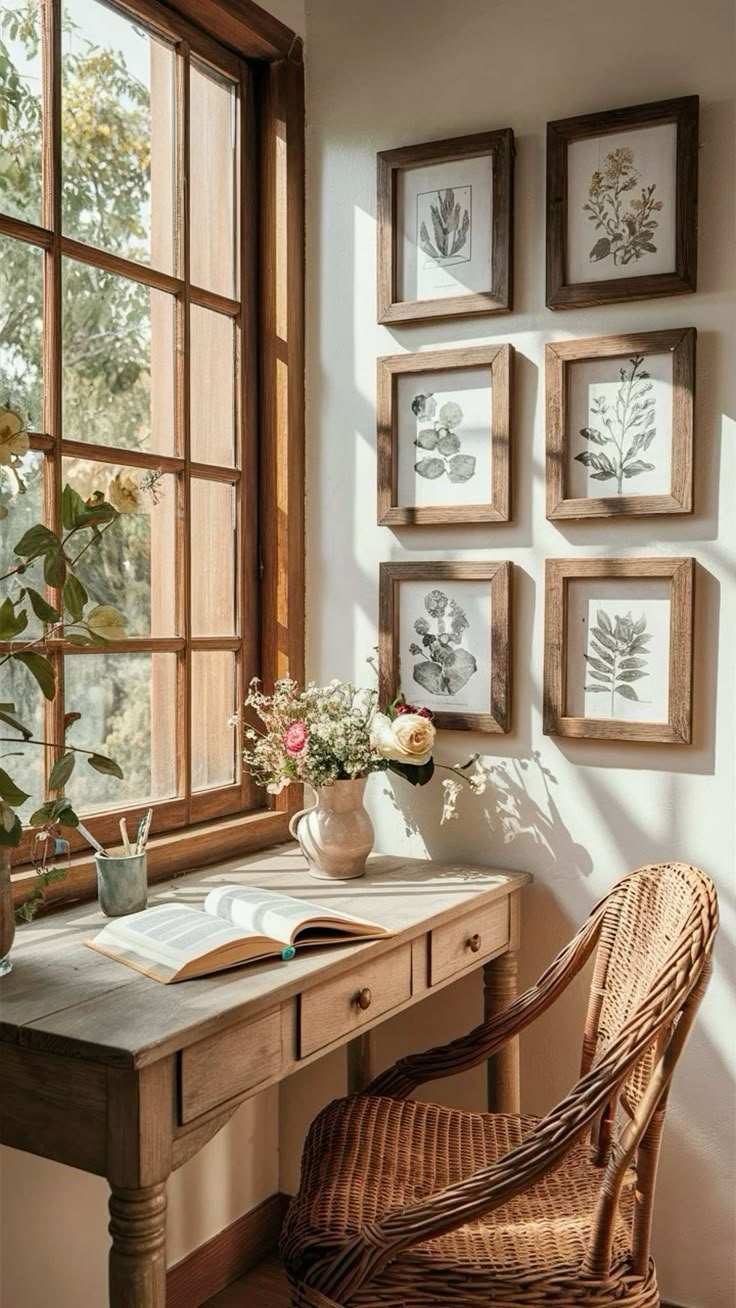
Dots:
pixel 44 559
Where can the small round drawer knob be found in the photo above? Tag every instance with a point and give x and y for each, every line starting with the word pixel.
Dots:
pixel 474 943
pixel 363 998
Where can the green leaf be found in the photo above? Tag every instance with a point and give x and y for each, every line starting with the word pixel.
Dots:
pixel 46 612
pixel 106 765
pixel 61 771
pixel 41 669
pixel 73 509
pixel 80 639
pixel 37 540
pixel 13 836
pixel 55 810
pixel 11 623
pixel 11 793
pixel 416 776
pixel 75 598
pixel 9 716
pixel 54 568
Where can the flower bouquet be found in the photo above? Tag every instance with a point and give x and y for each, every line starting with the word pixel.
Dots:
pixel 332 738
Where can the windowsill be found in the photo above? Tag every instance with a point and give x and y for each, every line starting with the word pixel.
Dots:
pixel 171 854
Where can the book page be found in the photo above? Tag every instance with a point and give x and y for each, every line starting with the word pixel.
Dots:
pixel 170 936
pixel 268 913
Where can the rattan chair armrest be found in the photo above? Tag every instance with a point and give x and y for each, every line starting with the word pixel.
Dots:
pixel 363 1256
pixel 485 1040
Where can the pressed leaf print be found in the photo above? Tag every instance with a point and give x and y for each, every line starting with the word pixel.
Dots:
pixel 444 666
pixel 439 441
pixel 626 429
pixel 444 233
pixel 618 656
pixel 627 226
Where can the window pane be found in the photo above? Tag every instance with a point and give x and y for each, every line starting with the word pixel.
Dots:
pixel 213 558
pixel 212 122
pixel 118 361
pixel 21 490
pixel 133 565
pixel 128 708
pixel 20 688
pixel 117 134
pixel 212 386
pixel 21 300
pixel 20 121
pixel 213 702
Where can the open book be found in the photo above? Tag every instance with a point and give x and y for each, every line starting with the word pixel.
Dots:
pixel 172 942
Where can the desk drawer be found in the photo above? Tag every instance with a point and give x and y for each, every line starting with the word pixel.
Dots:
pixel 459 945
pixel 229 1064
pixel 341 1007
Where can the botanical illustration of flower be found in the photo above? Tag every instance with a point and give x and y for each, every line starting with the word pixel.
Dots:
pixel 440 438
pixel 450 227
pixel 444 667
pixel 627 231
pixel 627 428
pixel 619 656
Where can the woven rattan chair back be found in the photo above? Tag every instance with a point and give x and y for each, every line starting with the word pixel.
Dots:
pixel 653 937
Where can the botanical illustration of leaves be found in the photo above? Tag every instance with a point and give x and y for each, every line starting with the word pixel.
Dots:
pixel 601 249
pixel 633 469
pixel 603 653
pixel 593 434
pixel 633 663
pixel 427 439
pixel 632 674
pixel 601 676
pixel 627 692
pixel 449 443
pixel 605 639
pixel 604 621
pixel 461 467
pixel 431 468
pixel 597 663
pixel 603 690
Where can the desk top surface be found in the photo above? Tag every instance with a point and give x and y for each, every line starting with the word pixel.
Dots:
pixel 66 998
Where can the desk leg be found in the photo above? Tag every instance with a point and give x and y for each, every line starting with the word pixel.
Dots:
pixel 138 1254
pixel 360 1063
pixel 499 990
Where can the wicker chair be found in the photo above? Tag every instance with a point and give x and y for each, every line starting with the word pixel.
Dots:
pixel 405 1204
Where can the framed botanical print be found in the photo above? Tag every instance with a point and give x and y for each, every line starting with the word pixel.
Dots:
pixel 618 649
pixel 444 641
pixel 619 419
pixel 444 436
pixel 622 190
pixel 445 228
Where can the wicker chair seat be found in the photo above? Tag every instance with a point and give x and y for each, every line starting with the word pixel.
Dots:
pixel 366 1156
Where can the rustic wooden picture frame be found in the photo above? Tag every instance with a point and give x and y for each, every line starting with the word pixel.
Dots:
pixel 563 294
pixel 557 722
pixel 498 577
pixel 680 342
pixel 498 297
pixel 499 360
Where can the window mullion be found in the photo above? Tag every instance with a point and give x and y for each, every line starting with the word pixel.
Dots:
pixel 52 404
pixel 183 431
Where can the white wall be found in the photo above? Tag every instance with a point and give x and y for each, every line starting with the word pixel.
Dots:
pixel 576 813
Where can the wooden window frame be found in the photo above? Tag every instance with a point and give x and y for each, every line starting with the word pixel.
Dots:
pixel 272 323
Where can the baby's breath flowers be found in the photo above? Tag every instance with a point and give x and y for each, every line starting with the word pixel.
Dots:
pixel 324 734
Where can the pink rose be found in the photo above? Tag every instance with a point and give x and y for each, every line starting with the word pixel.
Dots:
pixel 296 738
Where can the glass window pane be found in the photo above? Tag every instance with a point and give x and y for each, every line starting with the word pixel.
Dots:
pixel 117 134
pixel 212 386
pixel 128 708
pixel 213 702
pixel 212 204
pixel 118 361
pixel 133 566
pixel 213 558
pixel 20 119
pixel 21 507
pixel 21 306
pixel 25 764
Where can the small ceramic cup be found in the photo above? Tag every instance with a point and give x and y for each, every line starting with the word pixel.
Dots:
pixel 122 884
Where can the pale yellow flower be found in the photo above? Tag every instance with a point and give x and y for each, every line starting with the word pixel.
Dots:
pixel 124 494
pixel 408 739
pixel 13 436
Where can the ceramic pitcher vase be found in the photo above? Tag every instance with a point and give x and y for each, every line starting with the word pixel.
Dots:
pixel 335 835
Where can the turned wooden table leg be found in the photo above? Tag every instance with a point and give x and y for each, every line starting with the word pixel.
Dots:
pixel 138 1252
pixel 360 1062
pixel 499 990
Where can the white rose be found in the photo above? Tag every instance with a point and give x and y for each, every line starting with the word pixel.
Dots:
pixel 408 739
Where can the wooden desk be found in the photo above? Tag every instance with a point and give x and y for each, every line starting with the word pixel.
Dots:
pixel 111 1072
